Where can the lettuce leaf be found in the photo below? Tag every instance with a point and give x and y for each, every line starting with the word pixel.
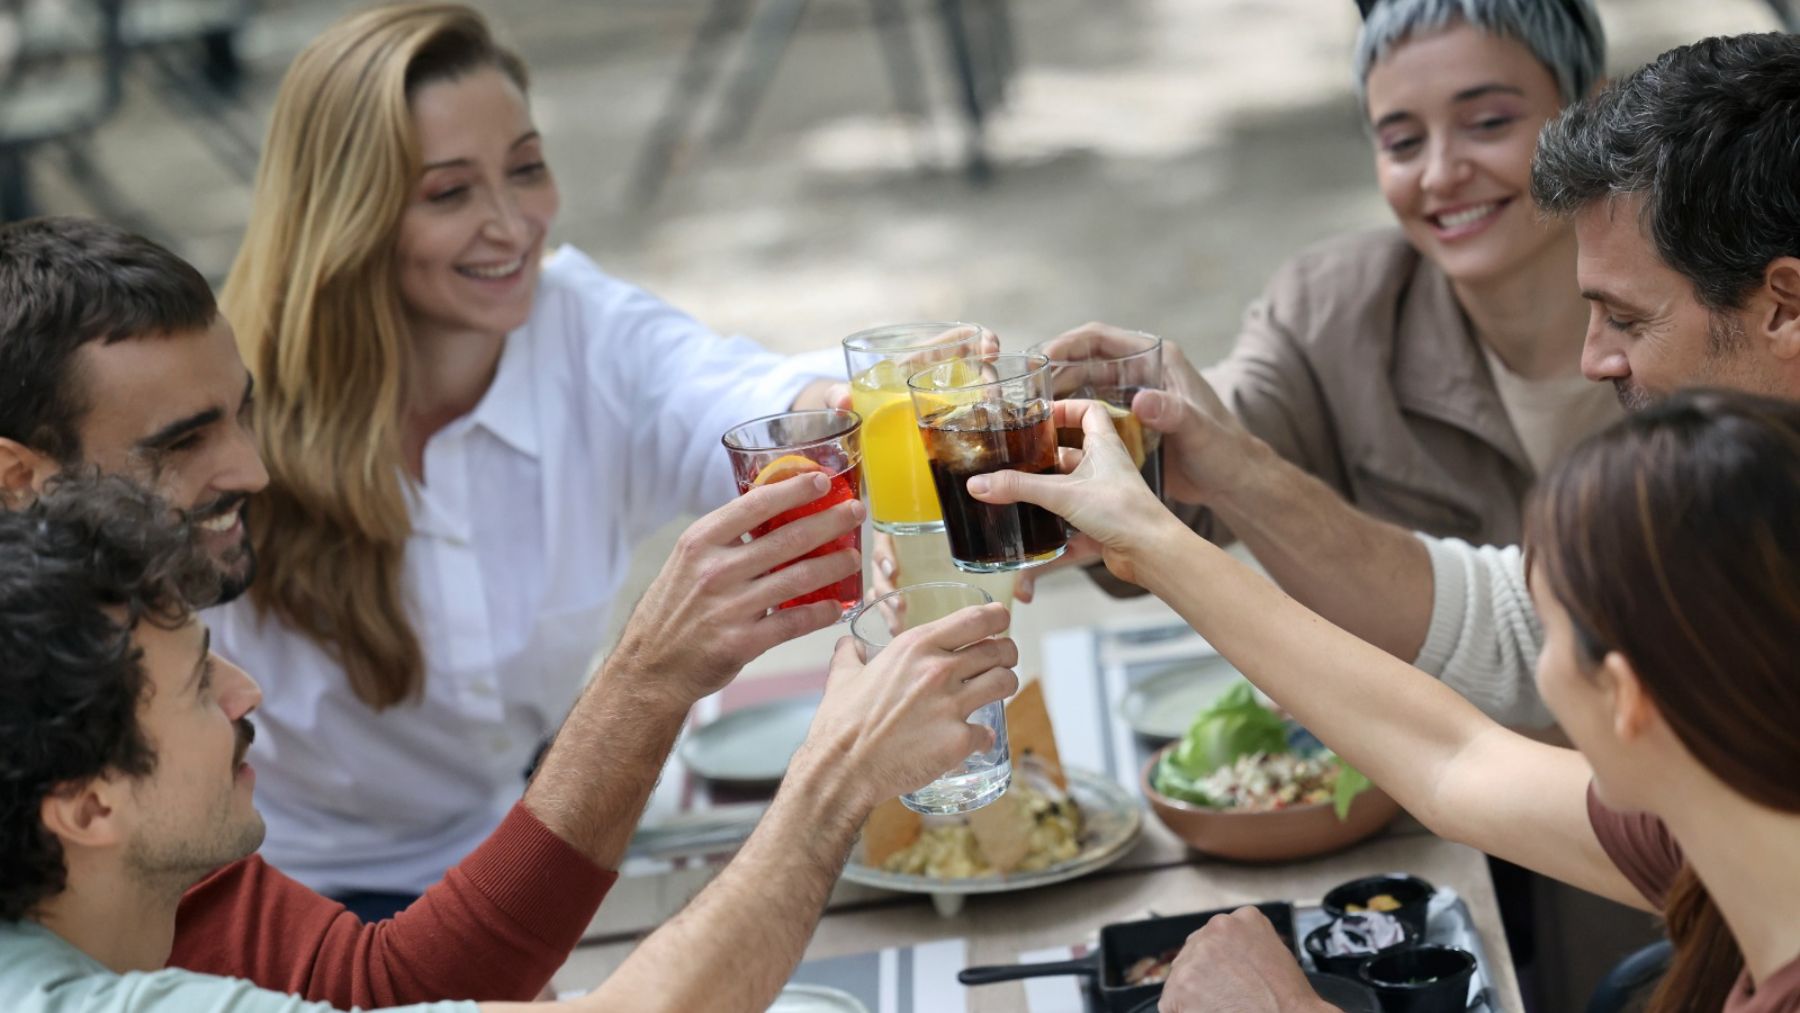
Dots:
pixel 1172 783
pixel 1234 725
pixel 1350 783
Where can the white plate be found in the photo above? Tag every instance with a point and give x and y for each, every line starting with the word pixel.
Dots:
pixel 816 999
pixel 1110 820
pixel 750 745
pixel 1165 704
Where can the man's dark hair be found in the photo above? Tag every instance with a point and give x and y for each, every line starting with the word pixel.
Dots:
pixel 63 283
pixel 1706 134
pixel 80 567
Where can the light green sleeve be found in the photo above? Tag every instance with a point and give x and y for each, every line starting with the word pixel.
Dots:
pixel 177 991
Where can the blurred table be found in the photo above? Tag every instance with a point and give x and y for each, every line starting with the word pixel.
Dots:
pixel 1086 670
pixel 999 928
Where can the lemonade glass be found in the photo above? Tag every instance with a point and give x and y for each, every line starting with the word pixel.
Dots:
pixel 902 500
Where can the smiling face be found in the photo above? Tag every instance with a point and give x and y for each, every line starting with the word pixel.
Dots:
pixel 194 811
pixel 1648 334
pixel 174 412
pixel 1456 116
pixel 472 235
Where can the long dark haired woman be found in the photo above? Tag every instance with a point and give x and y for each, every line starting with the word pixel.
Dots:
pixel 1665 562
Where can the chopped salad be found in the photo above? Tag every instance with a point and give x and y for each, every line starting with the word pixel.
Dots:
pixel 1236 756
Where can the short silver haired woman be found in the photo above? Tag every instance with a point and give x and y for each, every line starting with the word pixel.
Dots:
pixel 1429 372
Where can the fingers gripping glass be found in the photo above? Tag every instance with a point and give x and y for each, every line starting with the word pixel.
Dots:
pixel 982 776
pixel 979 416
pixel 826 442
pixel 1111 370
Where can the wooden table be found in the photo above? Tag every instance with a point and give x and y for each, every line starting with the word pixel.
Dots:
pixel 999 927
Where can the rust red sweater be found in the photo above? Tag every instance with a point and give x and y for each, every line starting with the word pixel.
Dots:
pixel 496 927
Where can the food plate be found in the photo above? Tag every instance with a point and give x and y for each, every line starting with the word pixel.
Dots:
pixel 1111 818
pixel 752 745
pixel 1163 705
pixel 816 999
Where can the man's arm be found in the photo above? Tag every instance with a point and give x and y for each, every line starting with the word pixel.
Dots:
pixel 497 926
pixel 882 729
pixel 501 930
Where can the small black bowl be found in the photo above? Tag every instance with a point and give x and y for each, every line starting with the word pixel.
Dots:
pixel 1348 965
pixel 1413 893
pixel 1421 979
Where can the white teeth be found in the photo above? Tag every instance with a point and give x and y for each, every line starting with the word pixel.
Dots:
pixel 1466 216
pixel 494 271
pixel 220 524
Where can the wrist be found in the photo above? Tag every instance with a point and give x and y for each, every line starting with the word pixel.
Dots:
pixel 635 675
pixel 1160 552
pixel 824 795
pixel 1257 482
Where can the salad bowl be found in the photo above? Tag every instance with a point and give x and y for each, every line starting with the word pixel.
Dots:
pixel 1245 783
pixel 1279 835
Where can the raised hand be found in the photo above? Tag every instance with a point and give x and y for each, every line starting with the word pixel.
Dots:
pixel 707 613
pixel 895 724
pixel 1206 452
pixel 1102 493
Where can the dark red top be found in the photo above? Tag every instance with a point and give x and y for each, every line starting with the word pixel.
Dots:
pixel 496 927
pixel 1648 855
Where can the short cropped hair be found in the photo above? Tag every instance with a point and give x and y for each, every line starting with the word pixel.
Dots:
pixel 1565 35
pixel 65 282
pixel 1705 134
pixel 80 567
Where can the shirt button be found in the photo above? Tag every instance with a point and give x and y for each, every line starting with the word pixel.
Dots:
pixel 483 687
pixel 500 744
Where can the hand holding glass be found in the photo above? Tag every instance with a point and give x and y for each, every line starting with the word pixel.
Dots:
pixel 983 776
pixel 1111 367
pixel 979 416
pixel 791 444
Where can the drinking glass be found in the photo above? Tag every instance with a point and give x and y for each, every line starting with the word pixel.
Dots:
pixel 984 415
pixel 1111 369
pixel 901 500
pixel 983 776
pixel 826 442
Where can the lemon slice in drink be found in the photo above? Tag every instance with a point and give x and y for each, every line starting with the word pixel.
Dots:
pixel 1131 433
pixel 785 466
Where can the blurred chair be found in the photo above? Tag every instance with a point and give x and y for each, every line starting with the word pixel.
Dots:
pixel 1789 13
pixel 1630 977
pixel 977 36
pixel 188 51
pixel 61 69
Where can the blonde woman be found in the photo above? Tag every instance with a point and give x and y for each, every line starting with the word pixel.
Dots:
pixel 466 433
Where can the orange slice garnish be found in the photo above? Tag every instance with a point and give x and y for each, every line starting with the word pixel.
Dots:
pixel 786 466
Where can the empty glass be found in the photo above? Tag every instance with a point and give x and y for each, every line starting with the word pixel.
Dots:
pixel 983 776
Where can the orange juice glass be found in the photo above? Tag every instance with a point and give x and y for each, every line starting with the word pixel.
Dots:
pixel 902 499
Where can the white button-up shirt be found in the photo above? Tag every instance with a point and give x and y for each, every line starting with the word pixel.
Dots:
pixel 602 424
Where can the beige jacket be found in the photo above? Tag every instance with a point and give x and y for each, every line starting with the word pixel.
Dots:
pixel 1358 365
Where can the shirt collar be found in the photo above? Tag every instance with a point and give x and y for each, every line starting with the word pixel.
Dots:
pixel 509 408
pixel 1438 366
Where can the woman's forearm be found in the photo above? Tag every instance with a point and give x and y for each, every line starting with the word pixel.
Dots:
pixel 1368 576
pixel 1392 722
